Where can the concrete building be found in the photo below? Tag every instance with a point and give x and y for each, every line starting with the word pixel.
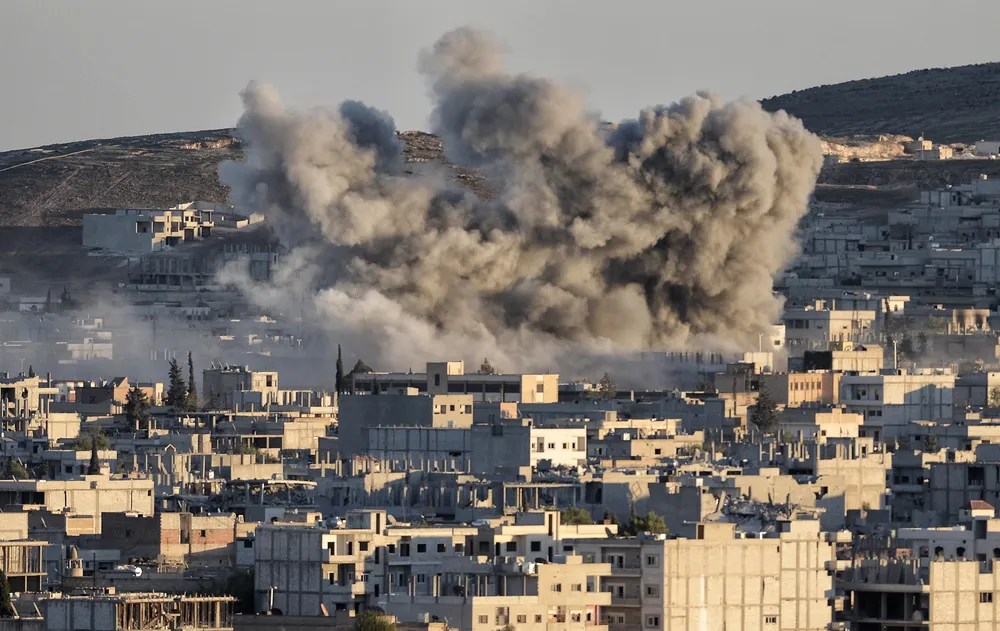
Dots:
pixel 220 385
pixel 451 378
pixel 89 495
pixel 116 612
pixel 142 231
pixel 361 411
pixel 803 388
pixel 811 328
pixel 719 579
pixel 889 402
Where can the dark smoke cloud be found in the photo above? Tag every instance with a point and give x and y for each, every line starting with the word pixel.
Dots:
pixel 664 232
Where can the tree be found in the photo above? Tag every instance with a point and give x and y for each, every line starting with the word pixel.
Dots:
pixel 192 391
pixel 6 607
pixel 136 407
pixel 905 348
pixel 176 388
pixel 16 470
pixel 651 523
pixel 85 442
pixel 361 368
pixel 610 517
pixel 340 371
pixel 764 414
pixel 95 460
pixel 486 368
pixel 994 400
pixel 376 388
pixel 576 516
pixel 606 387
pixel 374 621
pixel 31 371
pixel 48 301
pixel 930 444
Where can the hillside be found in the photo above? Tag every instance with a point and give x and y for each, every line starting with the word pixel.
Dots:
pixel 960 104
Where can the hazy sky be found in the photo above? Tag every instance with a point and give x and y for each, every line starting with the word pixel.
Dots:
pixel 73 70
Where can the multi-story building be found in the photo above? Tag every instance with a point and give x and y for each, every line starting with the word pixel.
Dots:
pixel 220 385
pixel 451 378
pixel 142 231
pixel 889 402
pixel 721 579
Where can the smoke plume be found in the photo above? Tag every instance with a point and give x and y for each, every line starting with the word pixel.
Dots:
pixel 662 232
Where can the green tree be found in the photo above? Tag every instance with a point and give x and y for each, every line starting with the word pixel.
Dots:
pixel 576 516
pixel 136 407
pixel 16 470
pixel 31 371
pixel 994 398
pixel 85 442
pixel 176 388
pixel 930 444
pixel 610 516
pixel 192 391
pixel 374 621
pixel 905 349
pixel 606 387
pixel 95 460
pixel 764 413
pixel 6 606
pixel 651 523
pixel 340 371
pixel 361 368
pixel 486 368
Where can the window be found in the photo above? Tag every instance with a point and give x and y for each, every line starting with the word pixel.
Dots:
pixel 468 409
pixel 652 622
pixel 652 560
pixel 363 546
pixel 202 534
pixel 552 445
pixel 657 451
pixel 557 587
pixel 459 548
pixel 404 549
pixel 538 617
pixel 770 619
pixel 248 543
pixel 451 408
pixel 653 591
pixel 482 619
pixel 421 578
pixel 441 547
pixel 421 547
pixel 392 548
pixel 577 587
pixel 511 546
pixel 536 546
pixel 522 619
pixel 437 382
pixel 985 597
pixel 576 617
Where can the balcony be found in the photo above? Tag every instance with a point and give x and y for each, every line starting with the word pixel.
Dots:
pixel 628 569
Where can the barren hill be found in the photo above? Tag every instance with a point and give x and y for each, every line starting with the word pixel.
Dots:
pixel 960 104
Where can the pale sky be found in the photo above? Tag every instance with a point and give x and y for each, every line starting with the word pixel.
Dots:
pixel 74 70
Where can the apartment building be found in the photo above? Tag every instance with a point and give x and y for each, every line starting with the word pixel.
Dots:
pixel 812 328
pixel 220 385
pixel 803 388
pixel 359 412
pixel 408 570
pixel 721 579
pixel 889 402
pixel 88 495
pixel 451 378
pixel 141 231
